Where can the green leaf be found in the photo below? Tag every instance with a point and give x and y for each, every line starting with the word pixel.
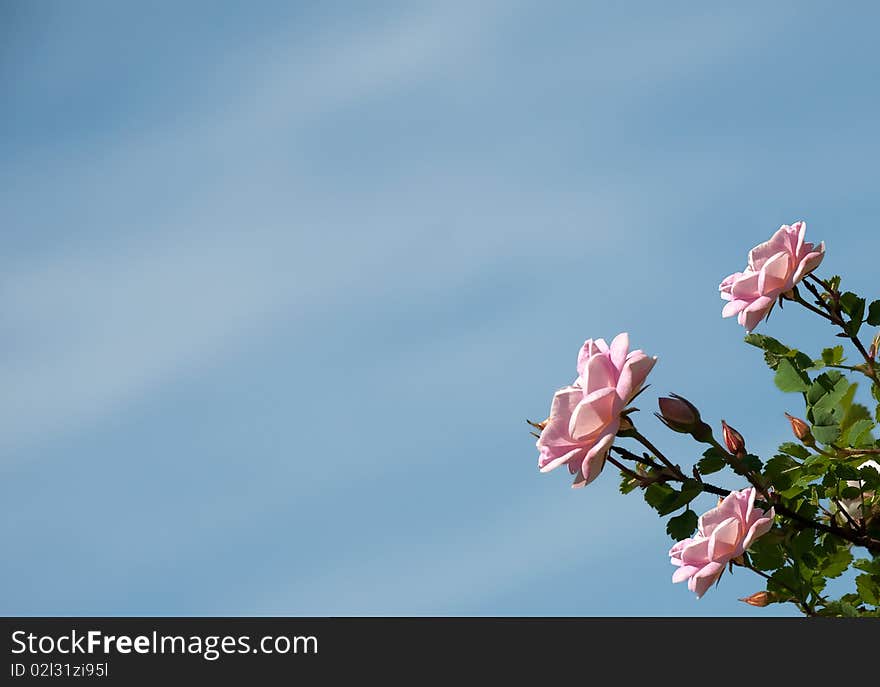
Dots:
pixel 767 343
pixel 682 526
pixel 837 563
pixel 852 305
pixel 859 434
pixel 766 553
pixel 847 472
pixel 657 493
pixel 712 461
pixel 874 314
pixel 849 493
pixel 690 488
pixel 840 609
pixel 869 566
pixel 781 472
pixel 824 383
pixel 869 589
pixel 774 351
pixel 827 406
pixel 826 434
pixel 627 483
pixel 832 356
pixel 784 580
pixel 802 542
pixel 796 450
pixel 790 379
pixel 854 413
pixel 664 499
pixel 751 463
pixel 870 478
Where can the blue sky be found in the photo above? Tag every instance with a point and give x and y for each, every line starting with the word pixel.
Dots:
pixel 280 283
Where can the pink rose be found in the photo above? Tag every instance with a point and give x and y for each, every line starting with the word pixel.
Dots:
pixel 724 533
pixel 774 268
pixel 585 417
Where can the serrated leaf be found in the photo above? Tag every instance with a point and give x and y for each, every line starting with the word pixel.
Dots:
pixel 869 589
pixel 790 379
pixel 657 493
pixel 827 408
pixel 784 580
pixel 796 450
pixel 801 360
pixel 859 433
pixel 867 565
pixel 766 553
pixel 840 609
pixel 854 413
pixel 711 462
pixel 869 476
pixel 781 472
pixel 767 343
pixel 682 526
pixel 850 493
pixel 627 484
pixel 845 471
pixel 690 488
pixel 833 356
pixel 802 542
pixel 874 314
pixel 826 434
pixel 824 383
pixel 852 305
pixel 751 463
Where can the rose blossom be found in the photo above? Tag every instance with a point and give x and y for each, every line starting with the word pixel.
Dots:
pixel 585 416
pixel 774 268
pixel 724 533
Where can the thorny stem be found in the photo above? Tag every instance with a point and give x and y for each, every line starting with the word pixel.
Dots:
pixel 773 499
pixel 644 460
pixel 833 315
pixel 801 603
pixel 809 306
pixel 648 445
pixel 624 469
pixel 733 462
pixel 856 451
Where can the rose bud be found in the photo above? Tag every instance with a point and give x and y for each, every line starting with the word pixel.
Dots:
pixel 734 440
pixel 680 415
pixel 759 599
pixel 801 430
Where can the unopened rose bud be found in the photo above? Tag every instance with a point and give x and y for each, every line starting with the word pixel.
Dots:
pixel 680 415
pixel 801 430
pixel 759 599
pixel 678 412
pixel 734 440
